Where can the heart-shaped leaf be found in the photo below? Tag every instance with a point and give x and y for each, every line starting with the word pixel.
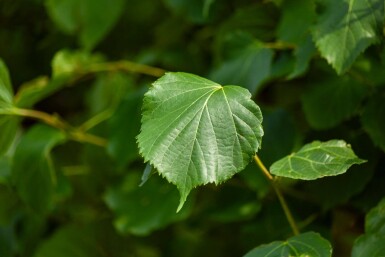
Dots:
pixel 195 131
pixel 306 244
pixel 317 160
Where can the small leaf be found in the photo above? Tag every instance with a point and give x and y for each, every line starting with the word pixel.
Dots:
pixel 32 163
pixel 306 244
pixel 90 19
pixel 317 160
pixel 195 131
pixel 146 174
pixel 141 210
pixel 347 28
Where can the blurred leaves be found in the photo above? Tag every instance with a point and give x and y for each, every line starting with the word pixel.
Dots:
pixel 88 19
pixel 332 100
pixel 141 210
pixel 32 162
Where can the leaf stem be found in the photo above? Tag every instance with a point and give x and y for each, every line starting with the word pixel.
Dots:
pixel 279 194
pixel 56 122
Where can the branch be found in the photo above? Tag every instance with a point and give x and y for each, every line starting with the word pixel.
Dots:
pixel 279 194
pixel 56 122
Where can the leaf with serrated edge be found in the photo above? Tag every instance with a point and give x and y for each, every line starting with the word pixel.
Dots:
pixel 317 160
pixel 195 131
pixel 346 29
pixel 306 244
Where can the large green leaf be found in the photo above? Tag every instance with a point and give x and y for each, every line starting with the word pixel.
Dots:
pixel 306 244
pixel 317 160
pixel 195 131
pixel 141 210
pixel 32 163
pixel 332 101
pixel 90 19
pixel 346 28
pixel 373 119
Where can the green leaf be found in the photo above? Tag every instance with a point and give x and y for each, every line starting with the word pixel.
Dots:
pixel 141 210
pixel 317 160
pixel 90 19
pixel 306 244
pixel 347 28
pixel 249 69
pixel 373 119
pixel 32 162
pixel 332 100
pixel 195 131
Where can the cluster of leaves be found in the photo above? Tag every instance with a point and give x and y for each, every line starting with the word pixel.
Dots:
pixel 73 143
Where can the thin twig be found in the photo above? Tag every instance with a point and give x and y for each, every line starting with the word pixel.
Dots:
pixel 55 121
pixel 281 199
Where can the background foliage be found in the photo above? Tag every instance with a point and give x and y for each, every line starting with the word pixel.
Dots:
pixel 70 110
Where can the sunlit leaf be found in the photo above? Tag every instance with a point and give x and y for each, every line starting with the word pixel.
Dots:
pixel 346 28
pixel 195 131
pixel 317 160
pixel 306 244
